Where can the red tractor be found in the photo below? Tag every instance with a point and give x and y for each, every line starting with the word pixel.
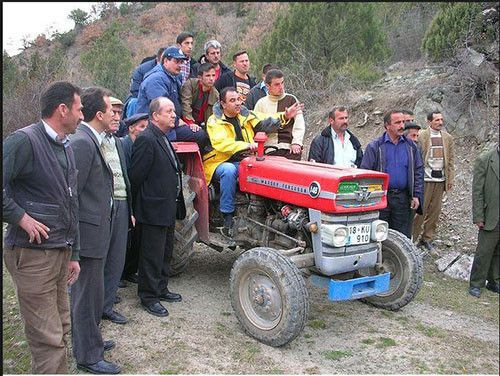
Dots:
pixel 297 219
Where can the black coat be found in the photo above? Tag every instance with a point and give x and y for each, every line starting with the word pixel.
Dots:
pixel 154 178
pixel 321 149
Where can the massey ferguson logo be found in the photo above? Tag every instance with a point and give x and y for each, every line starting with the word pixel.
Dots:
pixel 314 189
pixel 363 194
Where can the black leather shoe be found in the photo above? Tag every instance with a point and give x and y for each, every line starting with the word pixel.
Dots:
pixel 101 367
pixel 122 284
pixel 475 291
pixel 108 345
pixel 427 245
pixel 117 299
pixel 156 309
pixel 115 317
pixel 495 287
pixel 132 278
pixel 170 297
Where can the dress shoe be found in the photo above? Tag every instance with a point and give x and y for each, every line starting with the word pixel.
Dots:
pixel 108 345
pixel 117 299
pixel 495 287
pixel 115 317
pixel 132 278
pixel 101 367
pixel 427 245
pixel 122 284
pixel 475 291
pixel 170 297
pixel 156 309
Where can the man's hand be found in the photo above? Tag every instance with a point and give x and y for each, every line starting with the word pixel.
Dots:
pixel 195 127
pixel 291 112
pixel 252 146
pixel 480 225
pixel 73 272
pixel 414 203
pixel 132 219
pixel 295 149
pixel 34 228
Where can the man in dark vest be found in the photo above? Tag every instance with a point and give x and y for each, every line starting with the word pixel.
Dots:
pixel 40 205
pixel 288 140
pixel 95 198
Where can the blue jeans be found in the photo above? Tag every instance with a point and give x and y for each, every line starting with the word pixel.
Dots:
pixel 227 174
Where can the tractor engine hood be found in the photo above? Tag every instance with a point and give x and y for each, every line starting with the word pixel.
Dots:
pixel 314 185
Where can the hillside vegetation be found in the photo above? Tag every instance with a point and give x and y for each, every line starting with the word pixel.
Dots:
pixel 327 50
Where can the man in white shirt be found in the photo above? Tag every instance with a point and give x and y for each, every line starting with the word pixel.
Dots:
pixel 336 145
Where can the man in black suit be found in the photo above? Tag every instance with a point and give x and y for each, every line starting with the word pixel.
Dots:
pixel 156 180
pixel 95 198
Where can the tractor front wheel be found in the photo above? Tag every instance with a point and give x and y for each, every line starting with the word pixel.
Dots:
pixel 269 296
pixel 401 259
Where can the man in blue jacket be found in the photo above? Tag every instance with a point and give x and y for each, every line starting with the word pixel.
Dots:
pixel 164 80
pixel 398 156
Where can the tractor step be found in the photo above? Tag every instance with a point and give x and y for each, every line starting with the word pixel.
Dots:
pixel 355 288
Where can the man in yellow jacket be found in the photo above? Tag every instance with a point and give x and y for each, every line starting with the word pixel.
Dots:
pixel 231 130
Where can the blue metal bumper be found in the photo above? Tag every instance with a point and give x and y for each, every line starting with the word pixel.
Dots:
pixel 355 288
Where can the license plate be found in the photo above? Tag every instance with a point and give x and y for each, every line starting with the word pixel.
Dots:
pixel 358 234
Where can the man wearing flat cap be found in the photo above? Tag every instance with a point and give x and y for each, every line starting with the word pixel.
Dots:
pixel 164 80
pixel 135 124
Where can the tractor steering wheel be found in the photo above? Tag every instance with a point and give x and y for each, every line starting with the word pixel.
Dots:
pixel 270 147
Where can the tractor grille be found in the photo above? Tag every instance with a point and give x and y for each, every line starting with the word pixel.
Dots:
pixel 360 193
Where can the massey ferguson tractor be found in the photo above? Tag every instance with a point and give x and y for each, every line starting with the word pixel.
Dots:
pixel 297 219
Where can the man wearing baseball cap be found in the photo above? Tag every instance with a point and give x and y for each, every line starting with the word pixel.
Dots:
pixel 164 80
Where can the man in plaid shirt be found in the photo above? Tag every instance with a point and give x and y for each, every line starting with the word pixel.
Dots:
pixel 189 66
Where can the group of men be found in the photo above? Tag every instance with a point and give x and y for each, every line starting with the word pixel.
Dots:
pixel 75 194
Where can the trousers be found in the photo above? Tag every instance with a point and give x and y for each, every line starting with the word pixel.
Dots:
pixel 433 195
pixel 41 281
pixel 227 174
pixel 398 213
pixel 486 264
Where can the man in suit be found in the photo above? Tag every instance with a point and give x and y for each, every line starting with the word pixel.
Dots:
pixel 136 124
pixel 485 203
pixel 41 208
pixel 156 179
pixel 439 170
pixel 95 197
pixel 122 212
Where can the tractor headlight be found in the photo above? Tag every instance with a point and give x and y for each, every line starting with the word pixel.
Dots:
pixel 335 235
pixel 380 230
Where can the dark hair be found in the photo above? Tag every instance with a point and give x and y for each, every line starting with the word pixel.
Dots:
pixel 160 53
pixel 273 73
pixel 412 125
pixel 238 54
pixel 387 116
pixel 57 93
pixel 223 92
pixel 340 108
pixel 205 67
pixel 183 36
pixel 266 68
pixel 93 101
pixel 407 112
pixel 430 115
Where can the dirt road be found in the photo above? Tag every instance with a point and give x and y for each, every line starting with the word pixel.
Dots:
pixel 443 331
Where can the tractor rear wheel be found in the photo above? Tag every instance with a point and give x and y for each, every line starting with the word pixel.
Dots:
pixel 269 296
pixel 185 232
pixel 399 257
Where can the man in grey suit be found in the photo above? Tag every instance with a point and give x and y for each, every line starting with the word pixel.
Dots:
pixel 95 194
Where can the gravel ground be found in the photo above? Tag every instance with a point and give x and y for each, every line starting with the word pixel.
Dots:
pixel 442 331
